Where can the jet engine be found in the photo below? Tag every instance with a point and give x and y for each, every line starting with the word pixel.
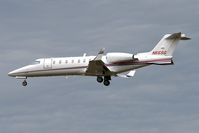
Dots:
pixel 119 57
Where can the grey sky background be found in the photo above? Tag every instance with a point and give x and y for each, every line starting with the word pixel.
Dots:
pixel 158 99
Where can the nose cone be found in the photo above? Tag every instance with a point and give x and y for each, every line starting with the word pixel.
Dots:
pixel 13 73
pixel 10 73
pixel 18 72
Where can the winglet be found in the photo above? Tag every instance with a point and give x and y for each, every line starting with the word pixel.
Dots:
pixel 100 54
pixel 101 51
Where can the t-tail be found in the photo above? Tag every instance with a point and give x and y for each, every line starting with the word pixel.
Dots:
pixel 167 44
pixel 162 53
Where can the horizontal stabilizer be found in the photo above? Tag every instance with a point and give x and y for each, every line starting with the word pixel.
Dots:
pixel 179 36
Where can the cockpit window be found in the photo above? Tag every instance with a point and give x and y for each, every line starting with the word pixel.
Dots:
pixel 36 62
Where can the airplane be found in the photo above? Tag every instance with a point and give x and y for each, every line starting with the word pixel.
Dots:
pixel 103 66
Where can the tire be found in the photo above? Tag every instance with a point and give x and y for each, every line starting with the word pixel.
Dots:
pixel 24 83
pixel 106 82
pixel 99 79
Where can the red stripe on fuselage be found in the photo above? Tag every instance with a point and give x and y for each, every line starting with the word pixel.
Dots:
pixel 135 62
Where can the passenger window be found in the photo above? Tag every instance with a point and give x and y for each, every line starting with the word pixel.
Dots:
pixel 78 60
pixel 72 61
pixel 59 61
pixel 84 60
pixel 54 62
pixel 66 61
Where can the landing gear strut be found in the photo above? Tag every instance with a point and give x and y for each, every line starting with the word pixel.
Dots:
pixel 24 83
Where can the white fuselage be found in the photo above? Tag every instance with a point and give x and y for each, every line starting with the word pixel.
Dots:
pixel 64 66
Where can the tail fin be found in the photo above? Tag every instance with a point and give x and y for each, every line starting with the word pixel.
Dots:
pixel 167 44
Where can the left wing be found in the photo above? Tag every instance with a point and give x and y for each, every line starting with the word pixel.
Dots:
pixel 97 67
pixel 127 74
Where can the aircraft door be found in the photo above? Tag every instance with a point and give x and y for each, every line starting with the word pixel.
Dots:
pixel 48 63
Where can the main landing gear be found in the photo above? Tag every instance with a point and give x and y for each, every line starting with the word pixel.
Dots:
pixel 99 79
pixel 24 83
pixel 106 80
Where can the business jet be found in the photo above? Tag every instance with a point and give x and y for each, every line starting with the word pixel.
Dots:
pixel 103 66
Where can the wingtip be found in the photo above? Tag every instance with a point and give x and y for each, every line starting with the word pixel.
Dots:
pixel 101 51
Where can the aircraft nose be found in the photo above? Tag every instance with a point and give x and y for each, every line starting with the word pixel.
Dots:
pixel 17 72
pixel 12 73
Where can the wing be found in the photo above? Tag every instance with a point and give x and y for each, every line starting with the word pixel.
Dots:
pixel 97 67
pixel 127 74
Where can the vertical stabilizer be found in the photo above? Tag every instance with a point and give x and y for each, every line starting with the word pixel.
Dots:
pixel 167 44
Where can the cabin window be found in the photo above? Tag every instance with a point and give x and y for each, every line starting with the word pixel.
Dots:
pixel 84 60
pixel 54 62
pixel 72 61
pixel 78 60
pixel 66 61
pixel 59 61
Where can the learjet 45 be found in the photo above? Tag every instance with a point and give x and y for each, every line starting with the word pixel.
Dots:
pixel 103 66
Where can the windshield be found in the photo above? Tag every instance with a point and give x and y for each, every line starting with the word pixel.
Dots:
pixel 35 62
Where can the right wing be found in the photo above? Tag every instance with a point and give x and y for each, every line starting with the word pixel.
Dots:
pixel 127 74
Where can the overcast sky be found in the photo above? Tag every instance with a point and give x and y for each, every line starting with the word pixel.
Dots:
pixel 158 99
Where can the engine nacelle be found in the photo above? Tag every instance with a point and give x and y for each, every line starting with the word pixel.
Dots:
pixel 118 57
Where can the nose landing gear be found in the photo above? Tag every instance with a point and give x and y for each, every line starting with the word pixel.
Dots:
pixel 24 83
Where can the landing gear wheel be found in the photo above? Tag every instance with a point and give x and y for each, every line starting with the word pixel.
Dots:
pixel 106 82
pixel 24 83
pixel 99 79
